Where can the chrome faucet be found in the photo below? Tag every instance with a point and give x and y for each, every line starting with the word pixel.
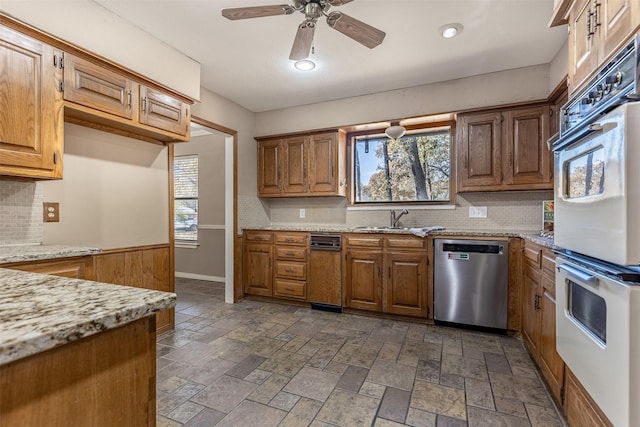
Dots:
pixel 395 219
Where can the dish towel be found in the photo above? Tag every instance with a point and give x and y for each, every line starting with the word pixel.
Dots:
pixel 423 231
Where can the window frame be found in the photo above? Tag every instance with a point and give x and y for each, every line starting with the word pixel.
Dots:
pixel 180 240
pixel 351 138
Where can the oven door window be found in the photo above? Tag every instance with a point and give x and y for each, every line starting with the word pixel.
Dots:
pixel 589 309
pixel 585 174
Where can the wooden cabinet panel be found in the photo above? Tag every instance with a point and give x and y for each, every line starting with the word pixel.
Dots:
pixel 325 277
pixel 301 239
pixel 258 271
pixel 479 150
pixel 363 241
pixel 146 267
pixel 405 291
pixel 580 409
pixel 258 236
pixel 363 280
pixel 551 365
pixel 290 252
pixel 95 87
pixel 269 168
pixel 583 56
pixel 617 20
pixel 323 161
pixel 290 289
pixel 162 111
pixel 31 110
pixel 291 269
pixel 294 165
pixel 73 268
pixel 405 242
pixel 530 320
pixel 529 160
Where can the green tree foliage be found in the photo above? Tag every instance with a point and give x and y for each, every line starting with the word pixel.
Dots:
pixel 414 168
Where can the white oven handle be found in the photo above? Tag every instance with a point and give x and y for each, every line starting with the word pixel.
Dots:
pixel 578 274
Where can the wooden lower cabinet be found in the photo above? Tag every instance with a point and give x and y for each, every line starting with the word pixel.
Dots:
pixel 386 274
pixel 106 379
pixel 539 315
pixel 579 408
pixel 258 270
pixel 141 267
pixel 73 268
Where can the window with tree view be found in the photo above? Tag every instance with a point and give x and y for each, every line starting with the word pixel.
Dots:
pixel 185 194
pixel 414 168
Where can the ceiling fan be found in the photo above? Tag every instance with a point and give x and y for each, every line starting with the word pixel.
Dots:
pixel 313 9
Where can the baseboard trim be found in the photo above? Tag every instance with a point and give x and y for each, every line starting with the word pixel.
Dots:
pixel 200 277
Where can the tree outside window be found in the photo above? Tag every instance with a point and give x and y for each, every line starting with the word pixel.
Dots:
pixel 414 168
pixel 185 194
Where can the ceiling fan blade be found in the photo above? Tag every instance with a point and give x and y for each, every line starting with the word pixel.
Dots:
pixel 363 33
pixel 303 41
pixel 257 11
pixel 338 2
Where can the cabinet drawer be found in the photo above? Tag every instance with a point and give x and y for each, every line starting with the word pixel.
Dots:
pixel 291 252
pixel 290 289
pixel 405 242
pixel 548 261
pixel 292 269
pixel 532 254
pixel 293 239
pixel 258 236
pixel 361 241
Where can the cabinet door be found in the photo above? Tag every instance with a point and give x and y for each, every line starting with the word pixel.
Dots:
pixel 479 151
pixel 269 182
pixel 583 56
pixel 294 165
pixel 31 114
pixel 530 318
pixel 96 87
pixel 406 283
pixel 528 160
pixel 163 112
pixel 323 163
pixel 363 280
pixel 618 19
pixel 258 273
pixel 551 365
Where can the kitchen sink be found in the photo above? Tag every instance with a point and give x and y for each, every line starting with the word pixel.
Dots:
pixel 371 228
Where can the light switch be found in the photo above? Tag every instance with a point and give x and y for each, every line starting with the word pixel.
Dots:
pixel 303 213
pixel 51 212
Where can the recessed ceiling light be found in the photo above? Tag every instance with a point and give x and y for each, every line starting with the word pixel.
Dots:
pixel 450 30
pixel 304 65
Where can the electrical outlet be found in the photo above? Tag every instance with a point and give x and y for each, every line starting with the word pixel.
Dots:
pixel 303 213
pixel 477 211
pixel 51 212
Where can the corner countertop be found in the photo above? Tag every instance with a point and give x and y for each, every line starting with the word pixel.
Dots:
pixel 39 312
pixel 528 235
pixel 27 253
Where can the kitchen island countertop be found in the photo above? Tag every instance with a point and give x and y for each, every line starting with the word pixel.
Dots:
pixel 39 312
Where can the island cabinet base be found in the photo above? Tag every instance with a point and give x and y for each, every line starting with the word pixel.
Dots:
pixel 107 379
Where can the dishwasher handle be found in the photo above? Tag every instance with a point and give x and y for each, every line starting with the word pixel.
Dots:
pixel 473 248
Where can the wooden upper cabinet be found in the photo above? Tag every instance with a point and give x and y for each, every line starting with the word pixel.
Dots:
pixel 302 165
pixel 479 150
pixel 31 112
pixel 164 112
pixel 597 30
pixel 93 86
pixel 97 96
pixel 295 163
pixel 269 168
pixel 529 161
pixel 504 150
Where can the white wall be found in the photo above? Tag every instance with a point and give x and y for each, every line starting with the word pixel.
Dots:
pixel 114 192
pixel 504 87
pixel 94 28
pixel 559 67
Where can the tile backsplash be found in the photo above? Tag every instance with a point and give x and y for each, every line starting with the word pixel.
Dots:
pixel 20 213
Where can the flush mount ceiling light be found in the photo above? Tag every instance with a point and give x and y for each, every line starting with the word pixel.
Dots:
pixel 395 131
pixel 449 31
pixel 304 65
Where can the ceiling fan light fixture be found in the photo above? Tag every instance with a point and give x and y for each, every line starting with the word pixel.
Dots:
pixel 395 131
pixel 304 65
pixel 449 31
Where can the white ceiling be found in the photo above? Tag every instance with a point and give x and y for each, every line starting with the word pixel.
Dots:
pixel 247 61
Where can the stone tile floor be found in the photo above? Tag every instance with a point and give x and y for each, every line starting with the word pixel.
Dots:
pixel 265 364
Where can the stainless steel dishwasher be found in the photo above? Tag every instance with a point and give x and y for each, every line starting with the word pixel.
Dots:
pixel 470 283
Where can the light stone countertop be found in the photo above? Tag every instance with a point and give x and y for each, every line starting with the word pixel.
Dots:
pixel 39 312
pixel 26 253
pixel 529 235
